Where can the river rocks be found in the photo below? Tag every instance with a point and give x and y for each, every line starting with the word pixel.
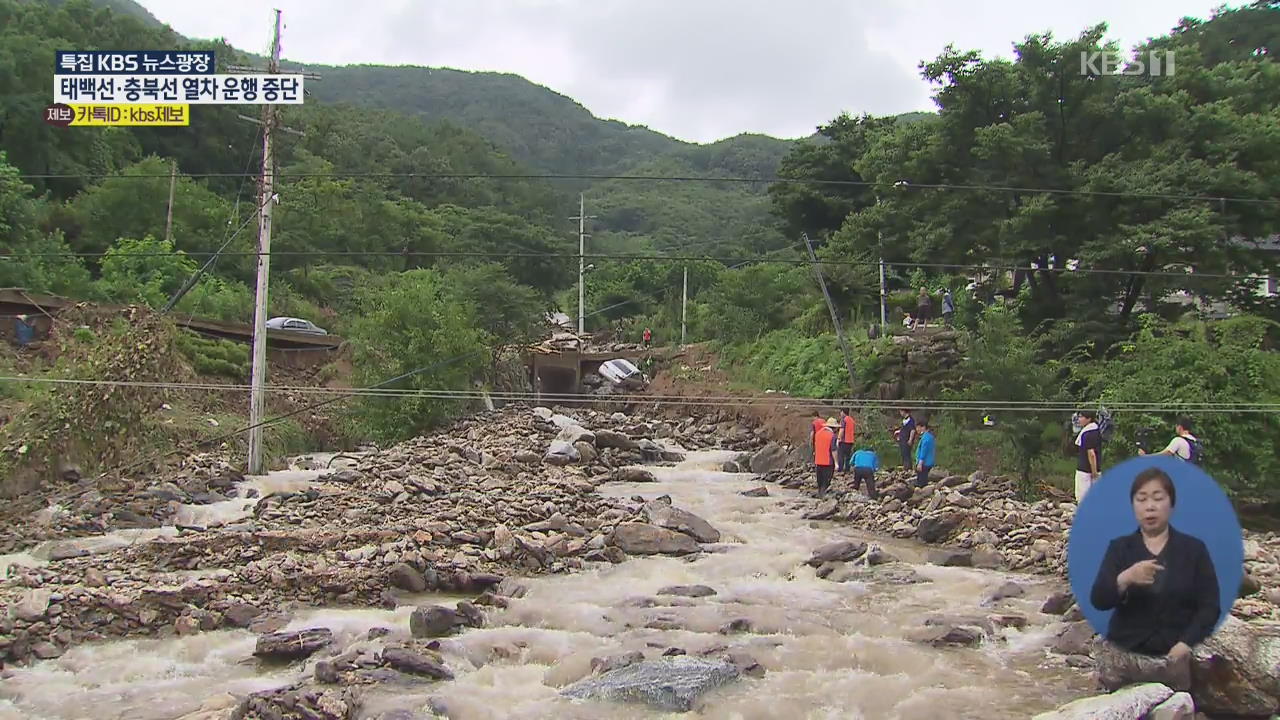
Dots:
pixel 692 591
pixel 672 518
pixel 635 538
pixel 406 577
pixel 633 475
pixel 756 492
pixel 1127 704
pixel 1006 591
pixel 1179 706
pixel 612 439
pixel 839 551
pixel 1075 639
pixel 292 645
pixel 433 621
pixel 300 702
pixel 1117 668
pixel 561 453
pixel 950 558
pixel 413 663
pixel 1058 603
pixel 1235 670
pixel 769 458
pixel 673 684
pixel 945 635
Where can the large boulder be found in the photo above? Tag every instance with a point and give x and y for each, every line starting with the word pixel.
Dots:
pixel 292 645
pixel 673 518
pixel 643 539
pixel 1132 702
pixel 561 453
pixel 613 439
pixel 1237 670
pixel 575 434
pixel 433 621
pixel 769 458
pixel 838 551
pixel 673 684
pixel 1117 668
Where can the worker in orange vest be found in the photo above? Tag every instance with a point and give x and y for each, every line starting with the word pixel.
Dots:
pixel 846 439
pixel 823 446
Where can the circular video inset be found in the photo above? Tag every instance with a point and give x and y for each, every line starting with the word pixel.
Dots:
pixel 1156 555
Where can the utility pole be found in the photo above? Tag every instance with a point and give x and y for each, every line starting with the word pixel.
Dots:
pixel 684 305
pixel 266 198
pixel 835 317
pixel 168 220
pixel 582 219
pixel 884 311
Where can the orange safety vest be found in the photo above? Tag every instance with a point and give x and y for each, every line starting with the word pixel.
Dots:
pixel 849 426
pixel 822 446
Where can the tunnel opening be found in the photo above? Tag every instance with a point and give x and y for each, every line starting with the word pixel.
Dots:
pixel 557 381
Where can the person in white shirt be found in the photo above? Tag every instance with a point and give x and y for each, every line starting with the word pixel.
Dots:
pixel 1089 460
pixel 1180 445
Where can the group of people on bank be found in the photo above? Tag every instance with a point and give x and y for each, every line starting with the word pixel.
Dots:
pixel 832 446
pixel 1159 583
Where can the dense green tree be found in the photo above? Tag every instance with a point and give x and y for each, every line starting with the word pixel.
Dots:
pixel 413 321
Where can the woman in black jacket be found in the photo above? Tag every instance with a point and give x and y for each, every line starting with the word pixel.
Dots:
pixel 1160 582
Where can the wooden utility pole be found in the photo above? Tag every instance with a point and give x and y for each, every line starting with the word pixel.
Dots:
pixel 582 219
pixel 835 317
pixel 266 200
pixel 684 306
pixel 168 220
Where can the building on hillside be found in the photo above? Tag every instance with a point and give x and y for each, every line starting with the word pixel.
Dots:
pixel 1267 285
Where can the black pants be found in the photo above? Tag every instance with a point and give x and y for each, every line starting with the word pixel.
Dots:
pixel 824 476
pixel 922 476
pixel 845 454
pixel 906 457
pixel 864 473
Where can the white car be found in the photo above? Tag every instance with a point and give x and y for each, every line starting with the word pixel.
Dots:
pixel 622 372
pixel 295 325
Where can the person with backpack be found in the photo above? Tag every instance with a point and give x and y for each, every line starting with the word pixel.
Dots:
pixel 1089 460
pixel 1184 445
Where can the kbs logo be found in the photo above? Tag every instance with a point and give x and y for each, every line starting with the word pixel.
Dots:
pixel 1155 64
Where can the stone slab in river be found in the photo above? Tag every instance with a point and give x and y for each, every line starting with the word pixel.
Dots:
pixel 683 521
pixel 672 684
pixel 1132 702
pixel 292 645
pixel 644 539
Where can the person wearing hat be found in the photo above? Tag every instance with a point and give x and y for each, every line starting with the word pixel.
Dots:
pixel 823 447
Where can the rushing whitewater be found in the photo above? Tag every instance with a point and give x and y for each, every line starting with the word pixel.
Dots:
pixel 829 649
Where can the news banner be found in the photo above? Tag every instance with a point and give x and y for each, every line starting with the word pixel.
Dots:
pixel 154 87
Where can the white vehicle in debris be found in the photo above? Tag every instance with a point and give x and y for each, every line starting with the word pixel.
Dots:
pixel 622 372
pixel 296 325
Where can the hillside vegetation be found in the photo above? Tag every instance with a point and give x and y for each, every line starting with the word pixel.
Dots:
pixel 1026 164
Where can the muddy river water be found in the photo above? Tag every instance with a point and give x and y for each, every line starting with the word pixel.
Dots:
pixel 830 649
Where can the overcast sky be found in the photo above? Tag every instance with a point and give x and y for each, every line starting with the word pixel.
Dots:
pixel 699 70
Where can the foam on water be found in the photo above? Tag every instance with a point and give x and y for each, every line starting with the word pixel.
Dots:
pixel 831 650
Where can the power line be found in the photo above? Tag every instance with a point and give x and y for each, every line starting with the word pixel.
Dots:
pixel 774 400
pixel 679 178
pixel 659 258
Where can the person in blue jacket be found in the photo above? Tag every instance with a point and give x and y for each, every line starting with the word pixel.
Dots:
pixel 925 453
pixel 865 465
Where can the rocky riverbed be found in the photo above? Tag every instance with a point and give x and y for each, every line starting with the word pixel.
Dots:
pixel 527 563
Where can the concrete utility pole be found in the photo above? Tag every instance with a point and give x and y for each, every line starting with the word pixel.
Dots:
pixel 582 217
pixel 835 317
pixel 266 199
pixel 884 308
pixel 173 183
pixel 684 306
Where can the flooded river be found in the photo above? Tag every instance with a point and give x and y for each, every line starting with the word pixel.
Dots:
pixel 830 649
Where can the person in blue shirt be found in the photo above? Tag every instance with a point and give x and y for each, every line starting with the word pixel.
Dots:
pixel 865 465
pixel 925 453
